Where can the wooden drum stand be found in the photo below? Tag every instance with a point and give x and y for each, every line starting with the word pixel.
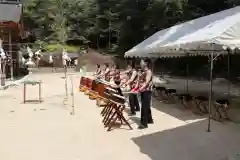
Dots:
pixel 113 111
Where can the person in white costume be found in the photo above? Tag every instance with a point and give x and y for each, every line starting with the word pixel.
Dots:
pixel 51 62
pixel 38 57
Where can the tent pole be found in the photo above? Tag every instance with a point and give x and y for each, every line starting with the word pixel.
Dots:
pixel 228 63
pixel 187 72
pixel 153 65
pixel 210 93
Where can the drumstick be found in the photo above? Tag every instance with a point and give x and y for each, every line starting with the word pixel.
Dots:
pixel 130 92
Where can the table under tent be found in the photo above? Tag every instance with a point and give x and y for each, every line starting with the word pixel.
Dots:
pixel 211 36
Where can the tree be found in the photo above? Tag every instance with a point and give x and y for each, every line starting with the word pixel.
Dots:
pixel 116 25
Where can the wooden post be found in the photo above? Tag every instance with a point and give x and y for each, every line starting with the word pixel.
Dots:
pixel 40 92
pixel 72 94
pixel 2 67
pixel 24 93
pixel 153 60
pixel 10 51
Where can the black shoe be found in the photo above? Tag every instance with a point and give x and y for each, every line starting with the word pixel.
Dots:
pixel 150 122
pixel 131 114
pixel 141 126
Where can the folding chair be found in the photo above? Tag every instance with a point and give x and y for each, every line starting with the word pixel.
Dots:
pixel 201 105
pixel 159 93
pixel 185 99
pixel 221 106
pixel 170 93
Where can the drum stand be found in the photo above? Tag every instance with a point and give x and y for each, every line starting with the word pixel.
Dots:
pixel 113 112
pixel 93 95
pixel 82 88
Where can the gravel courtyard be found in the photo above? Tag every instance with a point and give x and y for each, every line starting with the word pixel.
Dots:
pixel 48 131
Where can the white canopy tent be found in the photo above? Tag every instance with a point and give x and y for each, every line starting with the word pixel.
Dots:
pixel 214 32
pixel 211 34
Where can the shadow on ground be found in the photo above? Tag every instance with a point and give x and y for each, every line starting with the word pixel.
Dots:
pixel 176 110
pixel 192 142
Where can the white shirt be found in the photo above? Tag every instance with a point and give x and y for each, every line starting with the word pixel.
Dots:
pixel 50 59
pixel 23 60
pixel 76 62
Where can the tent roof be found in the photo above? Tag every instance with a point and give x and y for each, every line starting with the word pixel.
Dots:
pixel 10 12
pixel 207 33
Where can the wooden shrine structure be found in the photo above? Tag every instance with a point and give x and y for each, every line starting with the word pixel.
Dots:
pixel 11 33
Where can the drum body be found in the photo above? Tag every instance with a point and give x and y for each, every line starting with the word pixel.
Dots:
pixel 102 96
pixel 109 91
pixel 82 86
pixel 100 88
pixel 83 81
pixel 117 98
pixel 89 83
pixel 95 89
pixel 94 86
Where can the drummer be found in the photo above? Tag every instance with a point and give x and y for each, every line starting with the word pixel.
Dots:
pixel 133 99
pixel 146 95
pixel 115 74
pixel 125 75
pixel 98 71
pixel 116 77
pixel 106 72
pixel 139 81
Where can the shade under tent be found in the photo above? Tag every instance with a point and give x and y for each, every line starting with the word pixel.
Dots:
pixel 211 36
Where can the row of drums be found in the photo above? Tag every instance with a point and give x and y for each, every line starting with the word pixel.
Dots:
pixel 100 89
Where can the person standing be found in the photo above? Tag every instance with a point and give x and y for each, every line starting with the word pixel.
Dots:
pixel 51 61
pixel 117 78
pixel 75 62
pixel 106 72
pixel 133 99
pixel 146 95
pixel 115 74
pixel 98 71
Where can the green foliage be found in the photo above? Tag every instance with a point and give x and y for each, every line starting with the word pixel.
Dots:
pixel 115 25
pixel 55 47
